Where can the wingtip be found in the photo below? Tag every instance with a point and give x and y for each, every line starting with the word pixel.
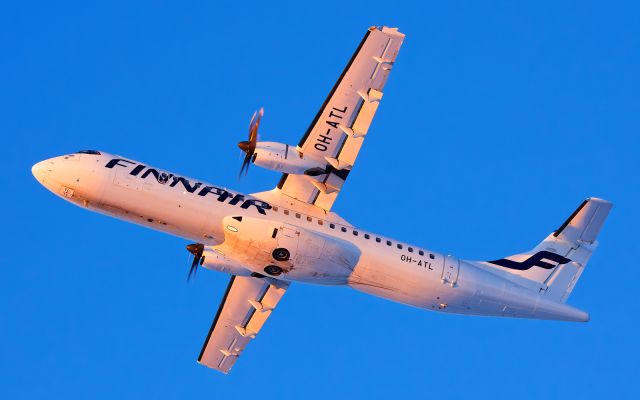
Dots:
pixel 599 200
pixel 394 31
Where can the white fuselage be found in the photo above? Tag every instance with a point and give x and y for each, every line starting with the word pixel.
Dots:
pixel 241 231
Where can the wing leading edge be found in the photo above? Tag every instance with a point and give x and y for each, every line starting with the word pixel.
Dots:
pixel 341 125
pixel 245 307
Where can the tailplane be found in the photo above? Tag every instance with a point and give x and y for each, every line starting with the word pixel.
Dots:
pixel 555 265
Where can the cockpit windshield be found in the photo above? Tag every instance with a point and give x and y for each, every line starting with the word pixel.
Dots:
pixel 95 152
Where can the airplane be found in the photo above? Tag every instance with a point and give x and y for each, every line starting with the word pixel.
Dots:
pixel 268 240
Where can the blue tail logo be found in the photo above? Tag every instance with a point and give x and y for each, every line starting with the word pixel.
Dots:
pixel 535 260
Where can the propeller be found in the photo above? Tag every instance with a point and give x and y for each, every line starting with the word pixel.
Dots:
pixel 196 249
pixel 249 146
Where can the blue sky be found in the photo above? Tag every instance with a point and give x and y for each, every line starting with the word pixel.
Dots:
pixel 497 121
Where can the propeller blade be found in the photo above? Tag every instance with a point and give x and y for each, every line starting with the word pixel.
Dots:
pixel 193 269
pixel 253 129
pixel 249 146
pixel 245 165
pixel 255 121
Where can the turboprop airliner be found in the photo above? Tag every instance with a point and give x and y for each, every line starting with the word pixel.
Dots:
pixel 267 241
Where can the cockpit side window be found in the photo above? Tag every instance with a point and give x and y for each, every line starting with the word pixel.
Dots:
pixel 94 152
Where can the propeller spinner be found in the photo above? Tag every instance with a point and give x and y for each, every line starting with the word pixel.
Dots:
pixel 249 146
pixel 196 249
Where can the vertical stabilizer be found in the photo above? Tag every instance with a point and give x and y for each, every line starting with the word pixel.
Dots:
pixel 555 265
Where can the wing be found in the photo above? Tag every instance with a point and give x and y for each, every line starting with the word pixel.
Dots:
pixel 245 307
pixel 340 127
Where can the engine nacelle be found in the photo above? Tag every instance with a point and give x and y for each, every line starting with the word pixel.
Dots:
pixel 284 251
pixel 216 260
pixel 287 159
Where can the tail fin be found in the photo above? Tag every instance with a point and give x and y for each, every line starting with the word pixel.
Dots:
pixel 554 266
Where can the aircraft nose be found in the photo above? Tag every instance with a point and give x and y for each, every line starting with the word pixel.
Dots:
pixel 44 174
pixel 39 170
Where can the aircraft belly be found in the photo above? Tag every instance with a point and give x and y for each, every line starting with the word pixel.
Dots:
pixel 313 256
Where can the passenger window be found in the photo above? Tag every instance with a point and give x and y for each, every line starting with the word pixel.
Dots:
pixel 297 215
pixel 410 249
pixel 286 212
pixel 388 242
pixel 399 246
pixel 355 233
pixel 320 222
pixel 309 219
pixel 275 208
pixel 332 226
pixel 431 256
pixel 366 236
pixel 378 240
pixel 421 252
pixel 343 229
